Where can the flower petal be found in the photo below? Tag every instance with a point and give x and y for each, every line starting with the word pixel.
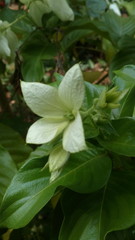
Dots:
pixel 71 89
pixel 73 137
pixel 43 131
pixel 43 99
pixel 65 14
pixel 58 157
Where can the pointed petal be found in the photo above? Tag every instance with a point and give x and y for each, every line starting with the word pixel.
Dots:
pixel 58 157
pixel 43 131
pixel 42 99
pixel 55 174
pixel 73 137
pixel 71 89
pixel 66 13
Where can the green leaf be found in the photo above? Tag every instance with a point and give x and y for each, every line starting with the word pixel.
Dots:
pixel 14 143
pixel 116 26
pixel 124 57
pixel 92 216
pixel 22 27
pixel 31 188
pixel 125 77
pixel 34 51
pixel 73 37
pixel 95 7
pixel 92 91
pixel 7 171
pixel 128 105
pixel 124 142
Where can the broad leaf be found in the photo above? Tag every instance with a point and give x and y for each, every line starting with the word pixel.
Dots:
pixel 31 188
pixel 92 216
pixel 14 143
pixel 34 51
pixel 123 142
pixel 7 171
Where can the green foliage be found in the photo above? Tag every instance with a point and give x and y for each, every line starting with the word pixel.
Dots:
pixel 34 51
pixel 78 184
pixel 14 143
pixel 7 171
pixel 95 215
pixel 96 8
pixel 32 173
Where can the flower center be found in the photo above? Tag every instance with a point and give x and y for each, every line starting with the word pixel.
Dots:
pixel 69 116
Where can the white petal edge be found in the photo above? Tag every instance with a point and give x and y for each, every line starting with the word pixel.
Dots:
pixel 71 89
pixel 43 131
pixel 73 137
pixel 42 99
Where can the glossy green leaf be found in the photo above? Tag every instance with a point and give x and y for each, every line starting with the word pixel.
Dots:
pixel 95 8
pixel 7 171
pixel 31 188
pixel 34 51
pixel 14 143
pixel 123 142
pixel 92 216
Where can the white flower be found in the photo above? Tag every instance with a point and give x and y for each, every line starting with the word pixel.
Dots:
pixel 59 109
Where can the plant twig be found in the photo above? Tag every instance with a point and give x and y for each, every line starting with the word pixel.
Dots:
pixel 3 100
